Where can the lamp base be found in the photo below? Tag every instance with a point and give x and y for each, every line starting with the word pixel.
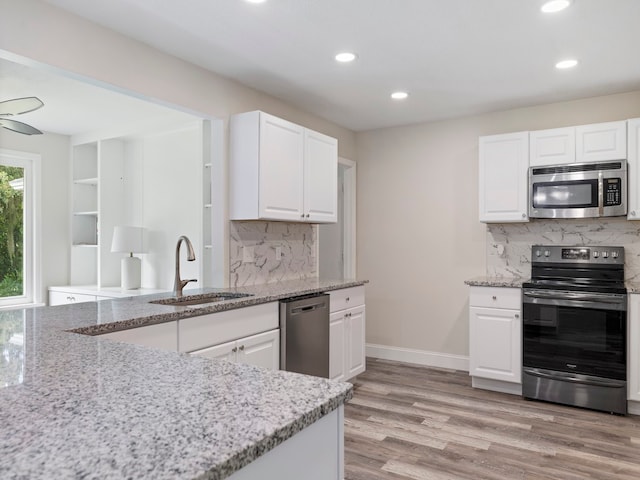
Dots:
pixel 130 273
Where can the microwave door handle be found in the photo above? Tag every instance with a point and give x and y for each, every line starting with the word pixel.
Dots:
pixel 600 195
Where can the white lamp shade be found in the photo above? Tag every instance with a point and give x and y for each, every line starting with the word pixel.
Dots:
pixel 128 239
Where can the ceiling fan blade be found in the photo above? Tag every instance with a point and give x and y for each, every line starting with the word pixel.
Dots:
pixel 19 127
pixel 17 106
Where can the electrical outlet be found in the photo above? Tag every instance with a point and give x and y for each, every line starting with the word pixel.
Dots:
pixel 247 255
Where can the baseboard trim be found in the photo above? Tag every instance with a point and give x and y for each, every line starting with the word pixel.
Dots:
pixel 420 357
pixel 496 385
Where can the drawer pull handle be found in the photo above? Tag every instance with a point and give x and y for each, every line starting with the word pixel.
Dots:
pixel 234 349
pixel 347 299
pixel 241 347
pixel 517 316
pixel 494 297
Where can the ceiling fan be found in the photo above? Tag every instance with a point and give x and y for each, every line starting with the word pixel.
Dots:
pixel 17 106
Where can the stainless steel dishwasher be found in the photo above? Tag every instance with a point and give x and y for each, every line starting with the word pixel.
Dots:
pixel 304 335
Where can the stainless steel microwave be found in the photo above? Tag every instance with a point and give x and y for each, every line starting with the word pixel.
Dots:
pixel 578 190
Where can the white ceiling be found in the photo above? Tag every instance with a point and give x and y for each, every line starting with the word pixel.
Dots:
pixel 454 57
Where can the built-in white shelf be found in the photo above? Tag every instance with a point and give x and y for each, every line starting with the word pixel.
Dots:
pixel 207 165
pixel 208 247
pixel 86 213
pixel 207 205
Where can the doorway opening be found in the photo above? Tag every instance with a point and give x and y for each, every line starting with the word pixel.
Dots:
pixel 337 241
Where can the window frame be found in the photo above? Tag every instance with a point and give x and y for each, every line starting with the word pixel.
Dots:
pixel 30 162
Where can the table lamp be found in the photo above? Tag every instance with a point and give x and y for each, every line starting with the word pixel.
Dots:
pixel 129 240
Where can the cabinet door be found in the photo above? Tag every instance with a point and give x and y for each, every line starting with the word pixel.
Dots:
pixel 552 147
pixel 355 331
pixel 633 166
pixel 320 177
pixel 337 335
pixel 163 336
pixel 225 351
pixel 633 347
pixel 262 350
pixel 495 349
pixel 281 176
pixel 601 142
pixel 503 178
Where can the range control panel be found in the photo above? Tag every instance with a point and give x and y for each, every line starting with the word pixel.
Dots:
pixel 577 254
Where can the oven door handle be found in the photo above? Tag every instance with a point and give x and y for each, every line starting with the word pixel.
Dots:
pixel 583 379
pixel 563 297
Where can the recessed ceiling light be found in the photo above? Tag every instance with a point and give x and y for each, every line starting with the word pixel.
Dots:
pixel 566 64
pixel 399 95
pixel 555 6
pixel 346 57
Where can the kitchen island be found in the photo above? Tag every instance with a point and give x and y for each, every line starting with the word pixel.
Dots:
pixel 76 405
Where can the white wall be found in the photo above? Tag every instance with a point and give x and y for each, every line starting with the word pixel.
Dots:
pixel 172 204
pixel 418 232
pixel 54 214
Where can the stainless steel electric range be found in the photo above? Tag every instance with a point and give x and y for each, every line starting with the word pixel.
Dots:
pixel 575 327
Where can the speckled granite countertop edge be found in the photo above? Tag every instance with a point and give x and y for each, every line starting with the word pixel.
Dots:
pixel 253 452
pixel 494 281
pixel 178 312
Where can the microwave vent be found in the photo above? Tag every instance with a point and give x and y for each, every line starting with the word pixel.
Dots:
pixel 582 167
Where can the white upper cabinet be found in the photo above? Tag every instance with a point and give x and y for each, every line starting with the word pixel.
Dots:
pixel 320 177
pixel 585 143
pixel 504 160
pixel 552 147
pixel 601 142
pixel 281 171
pixel 633 169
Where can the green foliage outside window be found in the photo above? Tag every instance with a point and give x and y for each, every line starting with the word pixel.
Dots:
pixel 11 233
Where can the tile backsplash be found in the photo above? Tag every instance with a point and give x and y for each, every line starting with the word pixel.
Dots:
pixel 253 246
pixel 517 238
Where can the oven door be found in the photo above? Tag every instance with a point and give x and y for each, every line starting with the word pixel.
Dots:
pixel 580 333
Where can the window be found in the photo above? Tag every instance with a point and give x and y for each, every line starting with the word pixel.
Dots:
pixel 17 194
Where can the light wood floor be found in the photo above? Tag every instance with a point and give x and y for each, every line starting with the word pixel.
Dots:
pixel 412 422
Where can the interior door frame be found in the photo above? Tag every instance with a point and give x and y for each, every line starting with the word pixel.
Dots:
pixel 349 226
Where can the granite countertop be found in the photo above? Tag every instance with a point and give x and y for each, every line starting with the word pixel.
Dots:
pixel 496 281
pixel 81 406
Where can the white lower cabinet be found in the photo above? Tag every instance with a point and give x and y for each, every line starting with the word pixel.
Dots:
pixel 163 336
pixel 246 335
pixel 495 334
pixel 262 350
pixel 347 333
pixel 633 348
pixel 65 298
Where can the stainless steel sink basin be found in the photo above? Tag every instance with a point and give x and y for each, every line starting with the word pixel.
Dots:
pixel 200 299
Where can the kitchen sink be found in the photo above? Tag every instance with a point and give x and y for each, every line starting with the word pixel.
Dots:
pixel 200 299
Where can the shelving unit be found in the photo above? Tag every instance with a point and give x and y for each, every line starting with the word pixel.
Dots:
pixel 207 212
pixel 97 206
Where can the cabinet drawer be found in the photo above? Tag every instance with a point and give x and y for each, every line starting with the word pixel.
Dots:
pixel 63 298
pixel 495 297
pixel 163 336
pixel 346 298
pixel 206 330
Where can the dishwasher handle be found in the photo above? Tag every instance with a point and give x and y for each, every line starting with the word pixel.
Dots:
pixel 307 308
